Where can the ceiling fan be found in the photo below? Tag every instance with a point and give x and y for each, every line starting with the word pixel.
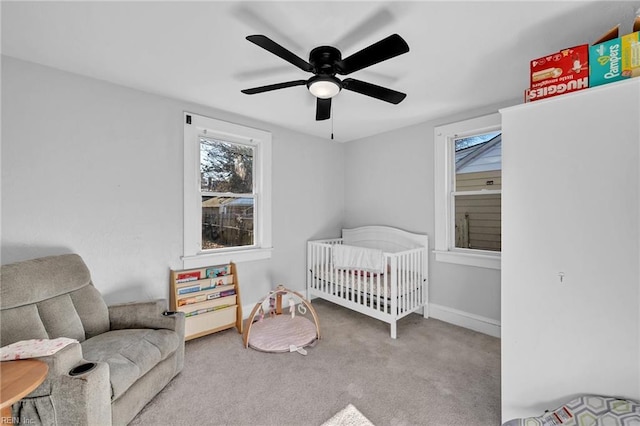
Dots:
pixel 326 61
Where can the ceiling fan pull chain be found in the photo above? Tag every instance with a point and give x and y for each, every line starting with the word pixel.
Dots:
pixel 332 121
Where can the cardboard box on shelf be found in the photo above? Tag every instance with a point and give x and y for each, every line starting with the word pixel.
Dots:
pixel 561 72
pixel 610 58
pixel 614 60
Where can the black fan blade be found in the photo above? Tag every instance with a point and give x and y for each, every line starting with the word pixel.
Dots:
pixel 273 47
pixel 274 87
pixel 323 109
pixel 372 90
pixel 387 48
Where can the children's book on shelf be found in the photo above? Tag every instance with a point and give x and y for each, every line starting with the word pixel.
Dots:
pixel 202 285
pixel 217 271
pixel 187 277
pixel 211 293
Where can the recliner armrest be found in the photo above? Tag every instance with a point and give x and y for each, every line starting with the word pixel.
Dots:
pixel 145 315
pixel 82 400
pixel 62 361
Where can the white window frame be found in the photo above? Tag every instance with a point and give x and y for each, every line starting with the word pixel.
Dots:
pixel 195 127
pixel 444 169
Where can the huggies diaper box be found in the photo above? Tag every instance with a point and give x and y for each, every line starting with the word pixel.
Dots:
pixel 562 72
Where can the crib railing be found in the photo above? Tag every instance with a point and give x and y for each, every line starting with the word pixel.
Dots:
pixel 400 290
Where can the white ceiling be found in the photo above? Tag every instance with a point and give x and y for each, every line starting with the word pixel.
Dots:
pixel 464 55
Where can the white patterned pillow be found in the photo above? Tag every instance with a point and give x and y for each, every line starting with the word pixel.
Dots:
pixel 33 348
pixel 587 410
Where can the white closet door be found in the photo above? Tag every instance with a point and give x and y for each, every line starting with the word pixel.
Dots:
pixel 570 250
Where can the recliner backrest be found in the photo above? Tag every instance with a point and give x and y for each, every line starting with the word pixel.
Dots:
pixel 50 297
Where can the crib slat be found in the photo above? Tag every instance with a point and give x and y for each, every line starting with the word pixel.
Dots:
pixel 398 296
pixel 410 273
pixel 354 285
pixel 318 266
pixel 325 262
pixel 328 262
pixel 378 292
pixel 404 284
pixel 358 281
pixel 409 282
pixel 403 272
pixel 399 286
pixel 349 284
pixel 393 309
pixel 339 280
pixel 415 280
pixel 366 283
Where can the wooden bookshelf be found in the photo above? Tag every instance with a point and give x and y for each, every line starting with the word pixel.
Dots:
pixel 209 297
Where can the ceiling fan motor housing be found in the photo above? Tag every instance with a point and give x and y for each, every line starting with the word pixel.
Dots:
pixel 324 59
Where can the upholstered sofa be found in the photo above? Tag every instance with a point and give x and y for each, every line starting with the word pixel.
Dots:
pixel 137 348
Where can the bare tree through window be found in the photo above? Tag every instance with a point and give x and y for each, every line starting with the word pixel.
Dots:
pixel 227 188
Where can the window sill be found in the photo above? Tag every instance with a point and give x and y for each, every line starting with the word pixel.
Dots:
pixel 207 259
pixel 490 261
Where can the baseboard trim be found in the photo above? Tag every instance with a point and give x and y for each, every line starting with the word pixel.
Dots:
pixel 246 310
pixel 443 313
pixel 465 319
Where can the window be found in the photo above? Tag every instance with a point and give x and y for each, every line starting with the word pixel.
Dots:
pixel 227 192
pixel 468 187
pixel 226 187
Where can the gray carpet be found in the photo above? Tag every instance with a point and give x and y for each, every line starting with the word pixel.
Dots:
pixel 433 374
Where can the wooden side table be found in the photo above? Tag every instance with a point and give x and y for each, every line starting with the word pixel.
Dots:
pixel 17 380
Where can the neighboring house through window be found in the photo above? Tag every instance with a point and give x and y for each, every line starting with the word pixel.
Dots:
pixel 468 187
pixel 227 192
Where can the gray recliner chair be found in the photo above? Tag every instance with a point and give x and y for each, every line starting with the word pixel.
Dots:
pixel 137 348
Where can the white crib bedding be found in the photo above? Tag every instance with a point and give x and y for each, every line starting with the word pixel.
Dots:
pixel 357 258
pixel 365 282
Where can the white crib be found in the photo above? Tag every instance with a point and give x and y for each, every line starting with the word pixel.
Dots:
pixel 388 296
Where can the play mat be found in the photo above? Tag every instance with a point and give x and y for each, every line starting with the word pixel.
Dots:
pixel 272 329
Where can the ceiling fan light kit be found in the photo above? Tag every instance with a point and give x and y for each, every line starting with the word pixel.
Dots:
pixel 324 87
pixel 326 61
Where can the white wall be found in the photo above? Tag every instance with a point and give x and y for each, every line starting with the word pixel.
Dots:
pixel 95 168
pixel 389 180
